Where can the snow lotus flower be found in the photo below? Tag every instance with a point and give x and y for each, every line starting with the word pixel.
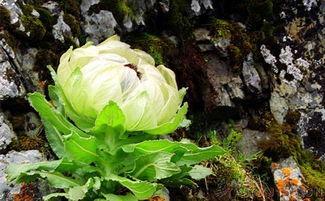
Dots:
pixel 90 77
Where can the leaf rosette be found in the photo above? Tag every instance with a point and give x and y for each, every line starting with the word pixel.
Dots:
pixel 119 104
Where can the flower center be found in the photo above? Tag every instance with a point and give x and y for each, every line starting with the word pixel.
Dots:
pixel 135 68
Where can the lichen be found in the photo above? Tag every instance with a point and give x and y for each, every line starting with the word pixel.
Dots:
pixel 283 143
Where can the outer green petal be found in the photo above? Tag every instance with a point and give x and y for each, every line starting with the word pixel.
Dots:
pixel 169 75
pixel 171 126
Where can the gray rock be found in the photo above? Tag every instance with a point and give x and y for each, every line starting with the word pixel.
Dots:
pixel 10 84
pixel 202 34
pixel 13 157
pixel 15 12
pixel 250 74
pixel 6 132
pixel 279 107
pixel 86 4
pixel 248 145
pixel 61 29
pixel 99 26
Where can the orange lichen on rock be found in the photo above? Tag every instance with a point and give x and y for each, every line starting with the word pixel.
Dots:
pixel 27 193
pixel 295 181
pixel 157 198
pixel 286 171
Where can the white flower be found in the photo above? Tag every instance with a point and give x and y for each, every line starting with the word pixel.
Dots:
pixel 91 76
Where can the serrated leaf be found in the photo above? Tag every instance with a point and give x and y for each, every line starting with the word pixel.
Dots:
pixel 195 154
pixel 82 149
pixel 55 139
pixel 14 171
pixel 113 197
pixel 141 189
pixel 199 172
pixel 75 193
pixel 187 153
pixel 48 113
pixel 152 167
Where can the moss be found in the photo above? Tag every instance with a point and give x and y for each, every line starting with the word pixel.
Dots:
pixel 73 24
pixel 27 9
pixel 44 58
pixel 120 8
pixel 4 17
pixel 72 7
pixel 10 40
pixel 221 28
pixel 283 142
pixel 178 19
pixel 45 17
pixel 153 45
pixel 34 27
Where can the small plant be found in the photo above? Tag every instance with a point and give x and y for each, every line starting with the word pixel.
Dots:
pixel 236 163
pixel 119 104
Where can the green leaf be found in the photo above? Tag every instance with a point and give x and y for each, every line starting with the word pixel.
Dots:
pixel 152 146
pixel 199 172
pixel 141 189
pixel 111 116
pixel 79 148
pixel 127 197
pixel 55 139
pixel 155 166
pixel 195 154
pixel 48 113
pixel 187 153
pixel 54 96
pixel 15 171
pixel 75 193
pixel 171 126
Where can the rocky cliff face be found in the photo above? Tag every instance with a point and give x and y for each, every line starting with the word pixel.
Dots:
pixel 256 63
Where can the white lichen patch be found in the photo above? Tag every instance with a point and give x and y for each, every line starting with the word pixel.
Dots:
pixel 8 88
pixel 309 4
pixel 269 58
pixel 6 132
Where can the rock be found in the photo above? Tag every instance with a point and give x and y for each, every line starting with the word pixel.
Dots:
pixel 202 34
pixel 15 12
pixel 269 58
pixel 278 106
pixel 198 5
pixel 10 84
pixel 33 125
pixel 248 145
pixel 86 4
pixel 289 180
pixel 250 74
pixel 31 156
pixel 61 29
pixel 6 132
pixel 99 26
pixel 223 82
pixel 311 127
